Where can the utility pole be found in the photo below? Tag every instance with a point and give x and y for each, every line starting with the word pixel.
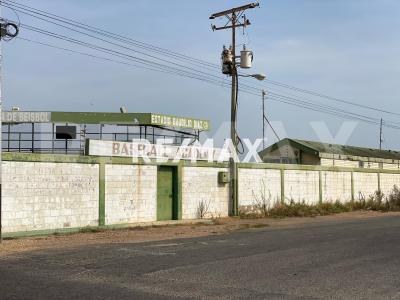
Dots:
pixel 8 31
pixel 381 135
pixel 1 128
pixel 234 17
pixel 263 117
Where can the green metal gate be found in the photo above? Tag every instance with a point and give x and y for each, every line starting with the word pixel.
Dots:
pixel 165 193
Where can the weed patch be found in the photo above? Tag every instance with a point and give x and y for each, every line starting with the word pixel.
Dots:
pixel 376 202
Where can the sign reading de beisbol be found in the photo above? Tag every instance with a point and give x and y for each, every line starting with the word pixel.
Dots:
pixel 179 122
pixel 155 151
pixel 25 117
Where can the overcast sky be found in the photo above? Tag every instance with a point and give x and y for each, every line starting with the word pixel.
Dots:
pixel 344 48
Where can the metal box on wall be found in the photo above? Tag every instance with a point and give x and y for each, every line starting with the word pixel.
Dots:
pixel 223 177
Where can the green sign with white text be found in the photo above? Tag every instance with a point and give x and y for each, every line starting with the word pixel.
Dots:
pixel 181 122
pixel 146 119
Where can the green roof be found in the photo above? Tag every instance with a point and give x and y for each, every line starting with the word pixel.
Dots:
pixel 108 118
pixel 318 147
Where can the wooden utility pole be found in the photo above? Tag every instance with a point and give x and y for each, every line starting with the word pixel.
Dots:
pixel 381 135
pixel 1 130
pixel 234 16
pixel 8 31
pixel 263 118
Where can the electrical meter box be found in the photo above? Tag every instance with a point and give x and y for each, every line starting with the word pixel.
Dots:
pixel 223 177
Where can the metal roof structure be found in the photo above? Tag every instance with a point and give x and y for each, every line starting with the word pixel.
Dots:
pixel 66 132
pixel 106 118
pixel 319 147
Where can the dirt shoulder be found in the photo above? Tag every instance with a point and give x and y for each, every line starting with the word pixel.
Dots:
pixel 158 233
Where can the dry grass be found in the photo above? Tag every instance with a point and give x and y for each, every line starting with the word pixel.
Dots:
pixel 377 202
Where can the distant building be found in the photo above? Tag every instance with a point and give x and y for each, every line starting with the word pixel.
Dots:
pixel 293 151
pixel 67 132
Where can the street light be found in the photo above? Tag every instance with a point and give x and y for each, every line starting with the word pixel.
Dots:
pixel 259 77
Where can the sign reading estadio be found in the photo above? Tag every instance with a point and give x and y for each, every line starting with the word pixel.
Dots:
pixel 155 151
pixel 179 122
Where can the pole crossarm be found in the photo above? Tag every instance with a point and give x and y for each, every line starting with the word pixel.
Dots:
pixel 234 10
pixel 247 23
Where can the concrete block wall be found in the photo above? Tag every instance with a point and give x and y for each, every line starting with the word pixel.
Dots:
pixel 365 184
pixel 48 195
pixel 346 163
pixel 201 184
pixel 302 186
pixel 336 186
pixel 130 194
pixel 44 196
pixel 371 165
pixel 388 181
pixel 255 182
pixel 328 162
pixel 391 166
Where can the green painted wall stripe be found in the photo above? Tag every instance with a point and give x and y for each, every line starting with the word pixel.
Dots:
pixel 352 186
pixel 379 181
pixel 62 158
pixel 102 194
pixel 58 158
pixel 282 186
pixel 31 233
pixel 320 186
pixel 179 190
pixel 312 168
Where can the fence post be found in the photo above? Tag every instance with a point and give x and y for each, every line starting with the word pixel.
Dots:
pixel 102 194
pixel 282 185
pixel 320 186
pixel 352 186
pixel 379 181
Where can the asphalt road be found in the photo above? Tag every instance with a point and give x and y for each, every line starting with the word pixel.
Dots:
pixel 341 260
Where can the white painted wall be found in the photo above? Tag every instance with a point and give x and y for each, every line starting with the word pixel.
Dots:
pixel 336 186
pixel 130 194
pixel 302 186
pixel 329 162
pixel 45 196
pixel 201 184
pixel 388 181
pixel 346 163
pixel 365 184
pixel 41 196
pixel 255 182
pixel 391 166
pixel 371 165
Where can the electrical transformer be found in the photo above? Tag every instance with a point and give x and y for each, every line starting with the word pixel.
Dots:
pixel 246 58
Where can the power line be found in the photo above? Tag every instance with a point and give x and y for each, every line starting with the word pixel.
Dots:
pixel 331 98
pixel 207 77
pixel 289 100
pixel 118 45
pixel 114 52
pixel 91 55
pixel 160 50
pixel 27 9
pixel 277 97
pixel 272 128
